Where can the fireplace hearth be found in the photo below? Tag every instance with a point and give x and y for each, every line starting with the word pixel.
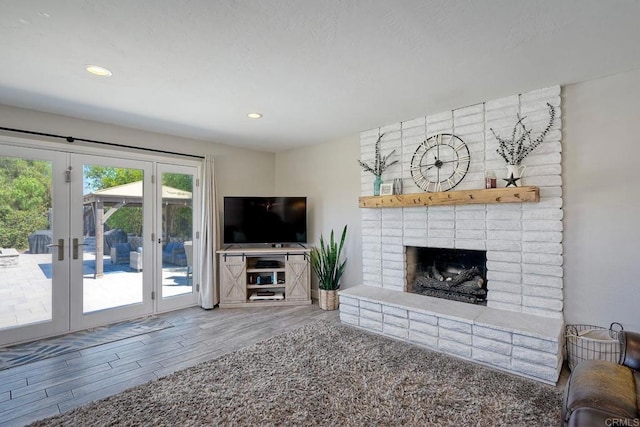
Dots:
pixel 454 274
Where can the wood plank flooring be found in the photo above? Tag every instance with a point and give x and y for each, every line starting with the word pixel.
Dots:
pixel 59 384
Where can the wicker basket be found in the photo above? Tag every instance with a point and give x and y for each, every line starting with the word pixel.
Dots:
pixel 586 342
pixel 329 300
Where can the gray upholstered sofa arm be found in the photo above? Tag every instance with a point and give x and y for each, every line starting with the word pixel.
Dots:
pixel 630 349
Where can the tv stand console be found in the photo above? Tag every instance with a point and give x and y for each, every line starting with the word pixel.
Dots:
pixel 264 277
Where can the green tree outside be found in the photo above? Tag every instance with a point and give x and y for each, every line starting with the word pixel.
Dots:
pixel 25 199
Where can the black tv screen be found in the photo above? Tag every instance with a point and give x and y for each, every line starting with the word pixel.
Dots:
pixel 265 220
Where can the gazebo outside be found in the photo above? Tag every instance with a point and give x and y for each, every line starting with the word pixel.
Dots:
pixel 127 195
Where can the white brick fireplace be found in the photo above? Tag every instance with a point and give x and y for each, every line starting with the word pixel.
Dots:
pixel 520 330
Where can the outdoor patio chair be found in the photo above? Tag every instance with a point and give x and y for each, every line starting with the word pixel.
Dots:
pixel 120 253
pixel 174 254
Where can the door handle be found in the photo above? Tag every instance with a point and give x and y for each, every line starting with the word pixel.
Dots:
pixel 60 247
pixel 75 247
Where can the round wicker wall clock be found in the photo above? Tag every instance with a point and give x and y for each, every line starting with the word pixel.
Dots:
pixel 440 163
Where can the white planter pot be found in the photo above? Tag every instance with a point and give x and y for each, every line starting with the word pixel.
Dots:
pixel 517 171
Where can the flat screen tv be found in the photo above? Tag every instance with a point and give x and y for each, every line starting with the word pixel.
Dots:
pixel 265 220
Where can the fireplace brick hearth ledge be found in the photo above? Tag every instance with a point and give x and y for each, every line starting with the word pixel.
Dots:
pixel 519 343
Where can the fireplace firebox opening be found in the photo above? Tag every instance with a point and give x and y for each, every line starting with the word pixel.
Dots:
pixel 454 274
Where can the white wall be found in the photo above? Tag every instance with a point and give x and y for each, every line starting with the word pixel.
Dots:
pixel 238 171
pixel 329 176
pixel 601 164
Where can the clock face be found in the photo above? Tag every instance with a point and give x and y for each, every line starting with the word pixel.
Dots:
pixel 440 163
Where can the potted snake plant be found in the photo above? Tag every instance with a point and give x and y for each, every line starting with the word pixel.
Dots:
pixel 326 264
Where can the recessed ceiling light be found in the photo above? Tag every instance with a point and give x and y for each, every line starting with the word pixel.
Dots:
pixel 98 70
pixel 254 115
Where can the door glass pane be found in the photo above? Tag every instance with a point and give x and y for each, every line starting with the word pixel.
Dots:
pixel 26 259
pixel 113 203
pixel 177 234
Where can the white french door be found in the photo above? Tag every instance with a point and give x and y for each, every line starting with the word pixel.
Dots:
pixel 176 235
pixel 34 290
pixel 109 239
pixel 104 286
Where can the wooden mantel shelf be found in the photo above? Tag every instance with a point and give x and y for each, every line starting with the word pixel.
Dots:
pixel 459 197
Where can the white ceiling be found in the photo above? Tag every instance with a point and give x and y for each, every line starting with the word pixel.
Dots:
pixel 318 70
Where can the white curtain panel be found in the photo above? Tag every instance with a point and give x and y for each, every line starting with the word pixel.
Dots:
pixel 209 237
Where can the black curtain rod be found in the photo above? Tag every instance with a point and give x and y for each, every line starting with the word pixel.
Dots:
pixel 71 139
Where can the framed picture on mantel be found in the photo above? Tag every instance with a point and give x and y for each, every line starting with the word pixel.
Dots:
pixel 386 189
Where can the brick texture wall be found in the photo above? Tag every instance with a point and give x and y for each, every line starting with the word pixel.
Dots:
pixel 523 241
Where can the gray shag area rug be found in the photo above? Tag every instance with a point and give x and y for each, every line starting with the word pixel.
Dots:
pixel 328 374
